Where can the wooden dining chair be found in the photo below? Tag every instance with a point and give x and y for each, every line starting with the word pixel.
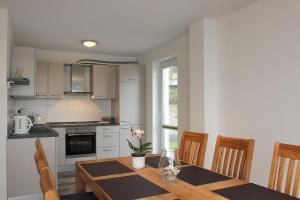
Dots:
pixel 39 145
pixel 192 147
pixel 291 154
pixel 47 185
pixel 233 157
pixel 40 160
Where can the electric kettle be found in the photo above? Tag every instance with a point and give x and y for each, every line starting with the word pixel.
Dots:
pixel 22 124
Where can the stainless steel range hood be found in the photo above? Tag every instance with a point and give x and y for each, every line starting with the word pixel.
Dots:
pixel 77 79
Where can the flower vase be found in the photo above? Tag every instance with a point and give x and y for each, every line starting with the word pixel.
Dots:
pixel 138 161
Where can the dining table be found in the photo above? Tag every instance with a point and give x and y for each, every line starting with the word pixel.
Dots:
pixel 115 178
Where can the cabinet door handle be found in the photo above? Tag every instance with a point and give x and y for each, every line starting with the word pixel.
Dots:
pixel 106 150
pixel 106 136
pixel 56 95
pixel 132 79
pixel 125 128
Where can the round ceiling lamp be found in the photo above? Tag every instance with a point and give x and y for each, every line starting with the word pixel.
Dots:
pixel 89 43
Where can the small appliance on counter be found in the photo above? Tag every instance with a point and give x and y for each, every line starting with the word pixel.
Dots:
pixel 37 119
pixel 22 124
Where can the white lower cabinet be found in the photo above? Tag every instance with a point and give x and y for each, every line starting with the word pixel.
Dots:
pixel 61 146
pixel 107 141
pixel 107 152
pixel 125 133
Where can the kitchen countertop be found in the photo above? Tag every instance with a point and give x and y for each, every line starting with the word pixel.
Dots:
pixel 90 123
pixel 37 131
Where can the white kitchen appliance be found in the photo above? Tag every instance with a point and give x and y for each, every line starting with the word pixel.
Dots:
pixel 39 119
pixel 22 124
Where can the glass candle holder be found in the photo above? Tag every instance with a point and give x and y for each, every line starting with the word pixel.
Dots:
pixel 169 165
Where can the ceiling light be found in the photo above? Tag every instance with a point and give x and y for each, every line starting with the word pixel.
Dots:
pixel 89 43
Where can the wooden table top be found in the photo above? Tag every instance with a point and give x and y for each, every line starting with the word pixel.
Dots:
pixel 178 190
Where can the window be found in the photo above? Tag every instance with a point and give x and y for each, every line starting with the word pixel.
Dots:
pixel 169 104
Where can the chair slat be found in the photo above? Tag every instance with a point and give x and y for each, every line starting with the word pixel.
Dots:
pixel 237 163
pixel 232 159
pixel 225 165
pixel 297 180
pixel 289 176
pixel 280 174
pixel 242 165
pixel 220 160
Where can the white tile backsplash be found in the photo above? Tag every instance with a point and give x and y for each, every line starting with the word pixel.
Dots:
pixel 71 108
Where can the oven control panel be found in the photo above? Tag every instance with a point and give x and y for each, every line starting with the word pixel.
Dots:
pixel 81 129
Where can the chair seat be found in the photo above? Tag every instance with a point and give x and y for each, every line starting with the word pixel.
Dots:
pixel 79 196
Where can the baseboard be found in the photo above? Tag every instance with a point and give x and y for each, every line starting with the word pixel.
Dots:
pixel 29 197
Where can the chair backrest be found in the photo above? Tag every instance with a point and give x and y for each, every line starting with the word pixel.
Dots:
pixel 192 147
pixel 281 154
pixel 233 157
pixel 47 185
pixel 39 145
pixel 40 160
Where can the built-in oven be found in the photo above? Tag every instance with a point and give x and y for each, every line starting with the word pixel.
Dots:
pixel 80 141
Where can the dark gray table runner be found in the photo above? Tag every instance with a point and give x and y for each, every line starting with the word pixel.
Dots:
pixel 106 168
pixel 252 192
pixel 198 176
pixel 129 187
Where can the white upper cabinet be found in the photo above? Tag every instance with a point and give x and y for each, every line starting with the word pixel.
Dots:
pixel 56 80
pixel 24 58
pixel 49 80
pixel 41 87
pixel 104 82
pixel 132 102
pixel 132 73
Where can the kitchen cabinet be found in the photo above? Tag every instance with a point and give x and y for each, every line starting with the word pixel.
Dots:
pixel 24 57
pixel 41 88
pixel 132 102
pixel 107 141
pixel 22 175
pixel 61 146
pixel 104 82
pixel 107 152
pixel 132 73
pixel 56 80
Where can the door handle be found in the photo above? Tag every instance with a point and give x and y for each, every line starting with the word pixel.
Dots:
pixel 106 136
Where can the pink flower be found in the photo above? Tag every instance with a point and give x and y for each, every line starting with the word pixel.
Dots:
pixel 138 133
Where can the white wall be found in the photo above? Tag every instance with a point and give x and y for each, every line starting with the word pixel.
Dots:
pixel 259 77
pixel 4 63
pixel 196 77
pixel 174 48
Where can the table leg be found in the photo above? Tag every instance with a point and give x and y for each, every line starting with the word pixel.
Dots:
pixel 79 183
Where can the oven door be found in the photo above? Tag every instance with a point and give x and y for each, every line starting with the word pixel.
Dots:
pixel 80 144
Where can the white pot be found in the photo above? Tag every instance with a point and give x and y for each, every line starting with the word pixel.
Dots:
pixel 138 162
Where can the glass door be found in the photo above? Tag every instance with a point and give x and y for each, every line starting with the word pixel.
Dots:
pixel 169 104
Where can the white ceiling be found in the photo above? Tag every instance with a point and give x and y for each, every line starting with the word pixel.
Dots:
pixel 123 27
